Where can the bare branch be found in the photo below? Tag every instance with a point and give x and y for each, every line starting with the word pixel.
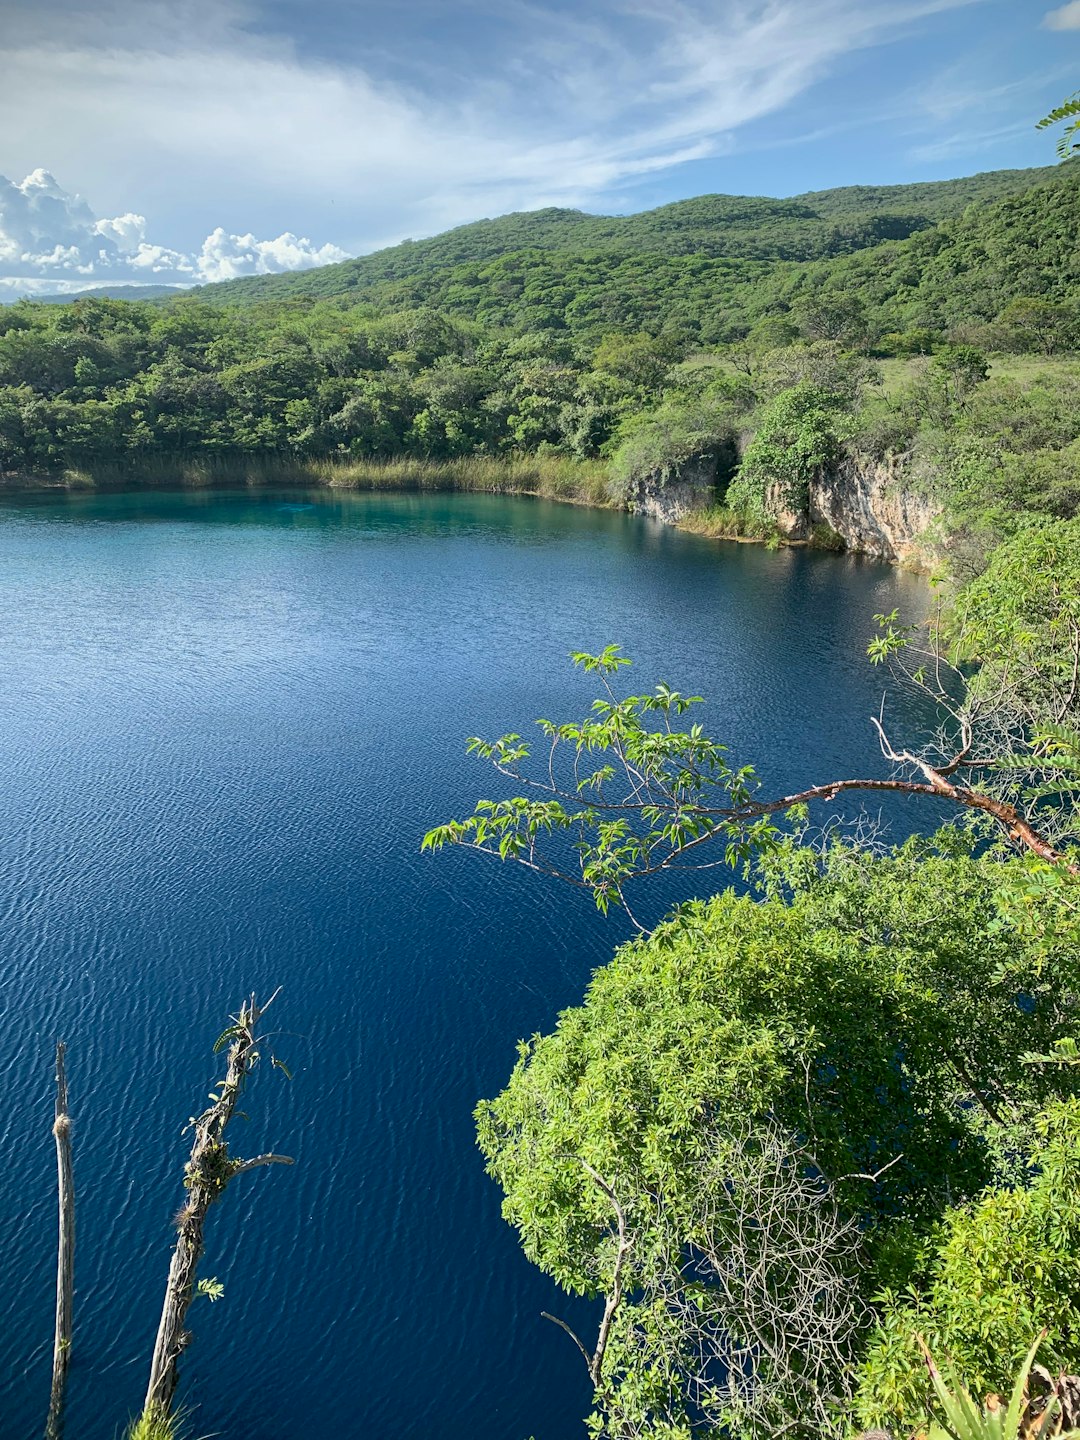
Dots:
pixel 239 1166
pixel 65 1251
pixel 563 1326
pixel 206 1176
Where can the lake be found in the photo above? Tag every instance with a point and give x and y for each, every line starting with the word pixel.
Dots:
pixel 227 721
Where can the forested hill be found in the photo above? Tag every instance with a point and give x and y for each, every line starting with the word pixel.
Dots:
pixel 565 353
pixel 816 225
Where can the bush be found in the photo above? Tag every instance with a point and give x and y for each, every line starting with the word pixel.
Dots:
pixel 798 438
pixel 1001 1269
pixel 656 444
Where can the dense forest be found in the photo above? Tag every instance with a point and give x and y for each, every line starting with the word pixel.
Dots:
pixel 811 226
pixel 819 1119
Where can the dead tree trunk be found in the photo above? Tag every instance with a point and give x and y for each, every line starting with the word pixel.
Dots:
pixel 206 1175
pixel 65 1251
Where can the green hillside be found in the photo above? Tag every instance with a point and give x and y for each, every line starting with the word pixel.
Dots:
pixel 961 272
pixel 116 292
pixel 747 228
pixel 570 356
pixel 714 268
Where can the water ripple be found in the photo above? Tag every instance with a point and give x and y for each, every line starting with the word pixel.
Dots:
pixel 226 724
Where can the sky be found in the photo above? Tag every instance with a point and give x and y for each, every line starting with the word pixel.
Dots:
pixel 198 140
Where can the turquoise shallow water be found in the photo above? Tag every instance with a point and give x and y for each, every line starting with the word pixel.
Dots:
pixel 226 722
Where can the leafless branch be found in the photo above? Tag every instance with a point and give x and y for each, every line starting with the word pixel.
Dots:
pixel 563 1326
pixel 239 1166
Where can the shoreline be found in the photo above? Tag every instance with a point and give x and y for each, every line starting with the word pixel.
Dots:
pixel 566 482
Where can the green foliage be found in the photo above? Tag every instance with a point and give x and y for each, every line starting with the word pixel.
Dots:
pixel 153 1425
pixel 956 276
pixel 863 1007
pixel 997 454
pixel 655 444
pixel 966 1420
pixel 1031 323
pixel 655 792
pixel 1069 110
pixel 827 222
pixel 797 440
pixel 832 315
pixel 898 1031
pixel 1000 1268
pixel 958 369
pixel 1021 620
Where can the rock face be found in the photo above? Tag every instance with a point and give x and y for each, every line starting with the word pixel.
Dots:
pixel 694 484
pixel 691 486
pixel 872 511
pixel 869 506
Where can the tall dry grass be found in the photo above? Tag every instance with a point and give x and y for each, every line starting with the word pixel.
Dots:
pixel 553 477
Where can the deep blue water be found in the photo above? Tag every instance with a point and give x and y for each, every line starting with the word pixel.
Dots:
pixel 226 722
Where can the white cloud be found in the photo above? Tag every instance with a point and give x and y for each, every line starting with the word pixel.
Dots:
pixel 224 257
pixel 945 113
pixel 215 117
pixel 18 287
pixel 126 232
pixel 967 142
pixel 47 235
pixel 41 222
pixel 159 259
pixel 1065 18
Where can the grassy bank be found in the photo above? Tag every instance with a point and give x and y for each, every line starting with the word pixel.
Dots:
pixel 550 477
pixel 720 522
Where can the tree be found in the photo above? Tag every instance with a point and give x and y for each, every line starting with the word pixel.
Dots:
pixel 744 1316
pixel 653 446
pixel 1019 621
pixel 1032 322
pixel 952 376
pixel 209 1171
pixel 638 364
pixel 658 795
pixel 848 1046
pixel 796 441
pixel 65 1251
pixel 833 315
pixel 758 1116
pixel 1004 1267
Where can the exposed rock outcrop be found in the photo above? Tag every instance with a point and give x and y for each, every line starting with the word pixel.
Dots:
pixel 693 484
pixel 690 486
pixel 874 511
pixel 870 507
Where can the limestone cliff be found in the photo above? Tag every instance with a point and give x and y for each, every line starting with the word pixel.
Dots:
pixel 870 506
pixel 873 508
pixel 692 485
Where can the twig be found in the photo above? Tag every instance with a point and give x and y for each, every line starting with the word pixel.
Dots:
pixel 563 1326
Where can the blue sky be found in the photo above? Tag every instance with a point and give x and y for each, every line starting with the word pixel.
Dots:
pixel 182 140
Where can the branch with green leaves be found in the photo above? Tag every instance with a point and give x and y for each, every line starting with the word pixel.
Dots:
pixel 623 794
pixel 1069 110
